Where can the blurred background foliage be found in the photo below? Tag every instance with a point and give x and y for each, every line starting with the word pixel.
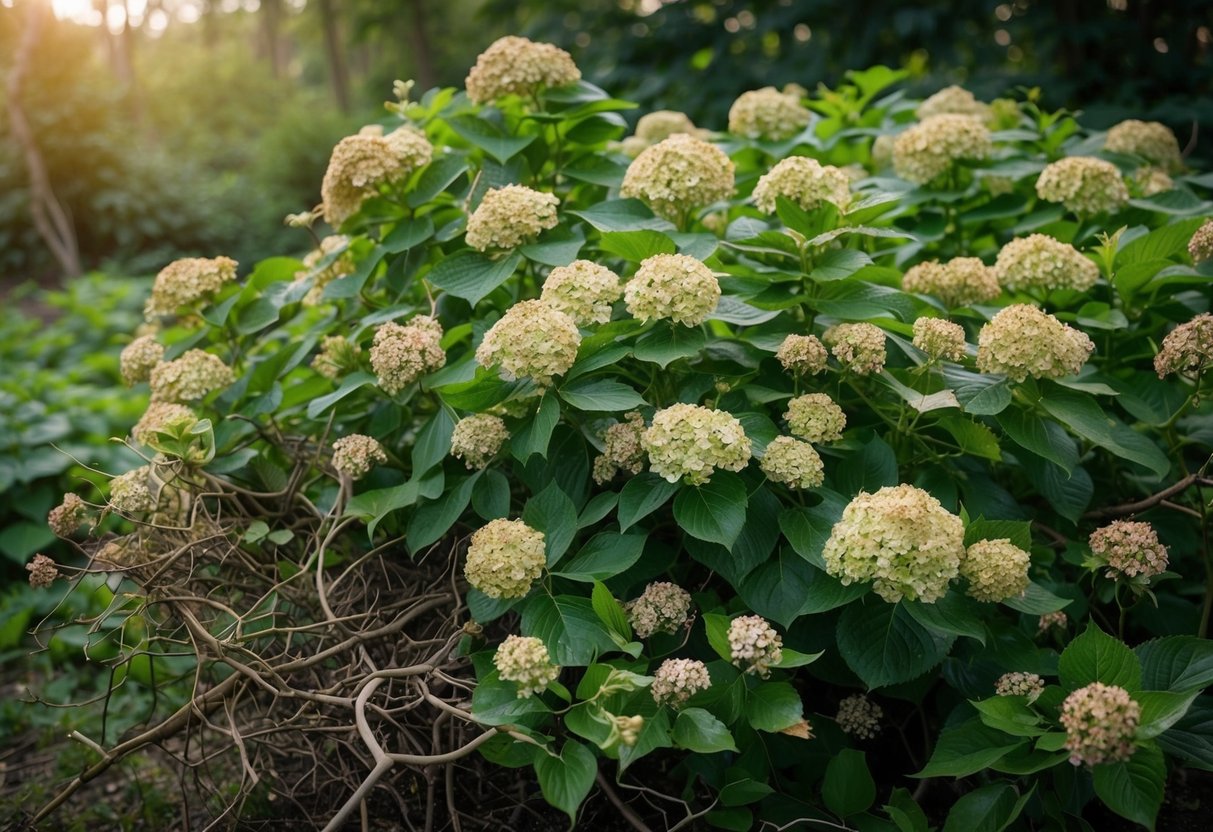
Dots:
pixel 174 127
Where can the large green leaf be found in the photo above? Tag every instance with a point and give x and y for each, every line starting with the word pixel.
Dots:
pixel 636 245
pixel 1037 601
pixel 1083 415
pixel 600 394
pixel 872 468
pixel 1134 789
pixel 697 730
pixel 1094 656
pixel 884 645
pixel 773 706
pixel 553 513
pixel 432 520
pixel 568 626
pixel 667 342
pixel 472 276
pixel 641 496
pixel 1177 663
pixel 536 434
pixel 433 442
pixel 986 809
pixel 1160 709
pixel 778 588
pixel 490 138
pixel 348 385
pixel 954 614
pixel 848 787
pixel 622 215
pixel 1043 437
pixel 715 511
pixel 604 556
pixel 1191 738
pixel 967 749
pixel 566 780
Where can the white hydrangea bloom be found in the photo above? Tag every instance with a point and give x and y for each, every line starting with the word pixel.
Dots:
pixel 689 442
pixel 532 340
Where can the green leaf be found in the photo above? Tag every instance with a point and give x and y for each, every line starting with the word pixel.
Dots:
pixel 967 749
pixel 978 394
pixel 568 626
pixel 552 512
pixel 1011 715
pixel 437 177
pixel 716 627
pixel 491 495
pixel 715 511
pixel 566 780
pixel 986 809
pixel 622 215
pixel 743 792
pixel 1019 532
pixel 773 706
pixel 884 645
pixel 874 467
pixel 973 437
pixel 655 734
pixel 610 611
pixel 794 658
pixel 490 138
pixel 808 529
pixel 1162 709
pixel 1095 656
pixel 433 520
pixel 470 275
pixel 636 246
pixel 779 588
pixel 1043 437
pixel 953 614
pixel 1083 415
pixel 496 702
pixel 1134 789
pixel 348 385
pixel 1037 601
pixel 409 234
pixel 373 506
pixel 1191 739
pixel 697 730
pixel 606 555
pixel 256 316
pixel 1177 663
pixel 536 434
pixel 838 264
pixel 598 394
pixel 668 342
pixel 904 812
pixel 641 496
pixel 433 442
pixel 598 507
pixel 557 247
pixel 848 787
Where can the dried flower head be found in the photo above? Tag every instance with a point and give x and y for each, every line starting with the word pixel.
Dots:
pixel 941 340
pixel 679 174
pixel 959 282
pixel 996 570
pixel 1039 261
pixel 805 182
pixel 509 216
pixel 1020 684
pixel 859 716
pixel 767 114
pixel 186 283
pixel 1023 341
pixel 341 265
pixel 661 124
pixel 1129 548
pixel 1187 349
pixel 954 100
pixel 158 417
pixel 138 358
pixel 505 558
pixel 337 356
pixel 1084 184
pixel 532 340
pixel 517 66
pixel 42 571
pixel 401 354
pixel 802 355
pixel 1200 247
pixel 677 680
pixel 361 164
pixel 1151 140
pixel 900 538
pixel 815 417
pixel 793 462
pixel 663 607
pixel 582 290
pixel 623 451
pixel 859 348
pixel 1101 724
pixel 929 148
pixel 525 661
pixel 193 376
pixel 355 455
pixel 476 439
pixel 754 645
pixel 689 442
pixel 676 287
pixel 65 518
pixel 132 492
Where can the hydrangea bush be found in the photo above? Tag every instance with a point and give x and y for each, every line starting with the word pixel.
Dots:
pixel 864 441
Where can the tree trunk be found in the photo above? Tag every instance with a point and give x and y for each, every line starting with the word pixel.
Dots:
pixel 336 54
pixel 51 220
pixel 271 24
pixel 423 56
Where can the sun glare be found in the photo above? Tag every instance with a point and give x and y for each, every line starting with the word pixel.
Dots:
pixel 115 16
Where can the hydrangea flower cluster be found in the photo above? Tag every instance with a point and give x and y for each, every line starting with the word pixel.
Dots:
pixel 959 282
pixel 793 463
pixel 676 287
pixel 1039 261
pixel 129 492
pixel 1101 723
pixel 1200 247
pixel 802 355
pixel 816 418
pixel 677 680
pixel 1151 140
pixel 337 355
pixel 1023 341
pixel 582 290
pixel 1130 548
pixel 1084 185
pixel 42 571
pixel 929 148
pixel 689 442
pixel 1187 349
pixel 157 417
pixel 355 455
pixel 941 340
pixel 65 518
pixel 767 114
pixel 679 174
pixel 754 645
pixel 859 348
pixel 476 439
pixel 859 716
pixel 341 266
pixel 996 570
pixel 804 181
pixel 504 558
pixel 900 538
pixel 191 377
pixel 362 163
pixel 663 607
pixel 525 661
pixel 661 124
pixel 518 66
pixel 138 358
pixel 1052 621
pixel 954 100
pixel 1019 684
pixel 509 216
pixel 882 150
pixel 187 282
pixel 624 450
pixel 1151 180
pixel 532 340
pixel 402 353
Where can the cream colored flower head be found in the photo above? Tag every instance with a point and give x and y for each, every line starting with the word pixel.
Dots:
pixel 582 290
pixel 476 439
pixel 962 281
pixel 941 340
pixel 1101 724
pixel 793 463
pixel 186 283
pixel 859 348
pixel 663 607
pixel 131 492
pixel 1052 621
pixel 341 266
pixel 802 355
pixel 532 340
pixel 1150 180
pixel 996 570
pixel 805 182
pixel 816 418
pixel 1129 548
pixel 505 558
pixel 677 680
pixel 65 518
pixel 661 124
pixel 859 716
pixel 525 661
pixel 402 353
pixel 902 540
pixel 1200 247
pixel 689 442
pixel 954 100
pixel 1187 349
pixel 1020 684
pixel 882 151
pixel 190 377
pixel 1023 341
pixel 363 163
pixel 767 114
pixel 355 455
pixel 624 450
pixel 679 174
pixel 158 417
pixel 1039 261
pixel 673 287
pixel 929 148
pixel 138 358
pixel 514 65
pixel 510 216
pixel 754 645
pixel 337 356
pixel 1084 185
pixel 1151 140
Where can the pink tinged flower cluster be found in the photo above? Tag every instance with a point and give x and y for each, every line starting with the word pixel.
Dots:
pixel 1187 349
pixel 1129 548
pixel 355 455
pixel 859 348
pixel 1023 341
pixel 532 340
pixel 677 680
pixel 402 353
pixel 663 607
pixel 1101 724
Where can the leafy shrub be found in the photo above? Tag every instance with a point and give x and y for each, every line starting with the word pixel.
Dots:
pixel 728 506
